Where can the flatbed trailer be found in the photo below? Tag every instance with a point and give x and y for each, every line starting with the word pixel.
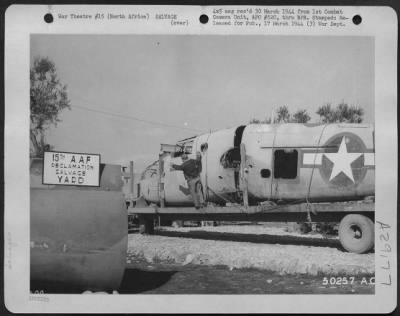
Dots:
pixel 356 229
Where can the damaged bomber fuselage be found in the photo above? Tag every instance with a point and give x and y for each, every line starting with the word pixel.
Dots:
pixel 278 162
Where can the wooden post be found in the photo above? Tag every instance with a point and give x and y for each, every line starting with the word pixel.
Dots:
pixel 161 193
pixel 146 225
pixel 131 179
pixel 243 175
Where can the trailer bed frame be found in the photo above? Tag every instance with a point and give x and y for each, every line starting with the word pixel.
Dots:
pixel 302 212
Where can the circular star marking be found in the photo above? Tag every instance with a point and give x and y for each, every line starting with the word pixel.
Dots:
pixel 342 161
pixel 345 161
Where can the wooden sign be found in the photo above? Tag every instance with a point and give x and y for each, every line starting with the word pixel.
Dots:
pixel 64 168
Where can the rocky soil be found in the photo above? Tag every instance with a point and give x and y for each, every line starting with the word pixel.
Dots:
pixel 271 248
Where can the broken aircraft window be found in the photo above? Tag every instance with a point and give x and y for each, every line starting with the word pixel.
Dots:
pixel 231 158
pixel 204 147
pixel 285 164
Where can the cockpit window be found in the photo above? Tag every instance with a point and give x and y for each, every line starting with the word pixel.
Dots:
pixel 183 147
pixel 188 149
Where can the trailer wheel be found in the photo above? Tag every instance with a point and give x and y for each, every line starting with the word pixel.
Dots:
pixel 356 233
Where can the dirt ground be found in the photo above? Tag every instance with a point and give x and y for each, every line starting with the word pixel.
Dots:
pixel 144 278
pixel 235 259
pixel 239 259
pixel 250 247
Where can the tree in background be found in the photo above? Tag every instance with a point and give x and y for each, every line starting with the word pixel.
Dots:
pixel 256 121
pixel 301 116
pixel 48 97
pixel 283 116
pixel 342 113
pixel 328 114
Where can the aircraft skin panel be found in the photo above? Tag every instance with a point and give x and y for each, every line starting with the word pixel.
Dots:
pixel 214 176
pixel 149 183
pixel 258 158
pixel 261 142
pixel 258 186
pixel 220 180
pixel 354 181
pixel 348 169
pixel 364 134
pixel 291 189
pixel 149 189
pixel 175 186
pixel 321 191
pixel 173 181
pixel 297 135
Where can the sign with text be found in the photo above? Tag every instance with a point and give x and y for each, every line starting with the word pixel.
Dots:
pixel 71 168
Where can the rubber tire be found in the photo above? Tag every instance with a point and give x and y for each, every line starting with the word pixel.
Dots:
pixel 346 236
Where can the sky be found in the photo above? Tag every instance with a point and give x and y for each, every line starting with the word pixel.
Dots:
pixel 129 93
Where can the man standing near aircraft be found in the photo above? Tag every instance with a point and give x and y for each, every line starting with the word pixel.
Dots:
pixel 191 170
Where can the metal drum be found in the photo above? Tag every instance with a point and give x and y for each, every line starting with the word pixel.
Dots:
pixel 78 235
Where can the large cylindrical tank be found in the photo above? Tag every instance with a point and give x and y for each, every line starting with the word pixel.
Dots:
pixel 78 235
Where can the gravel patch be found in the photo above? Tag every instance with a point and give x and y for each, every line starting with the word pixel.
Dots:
pixel 283 259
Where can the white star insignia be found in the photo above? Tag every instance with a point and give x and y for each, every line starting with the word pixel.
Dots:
pixel 342 161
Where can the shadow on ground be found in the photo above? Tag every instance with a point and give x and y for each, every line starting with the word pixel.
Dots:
pixel 262 239
pixel 53 287
pixel 137 280
pixel 134 281
pixel 199 279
